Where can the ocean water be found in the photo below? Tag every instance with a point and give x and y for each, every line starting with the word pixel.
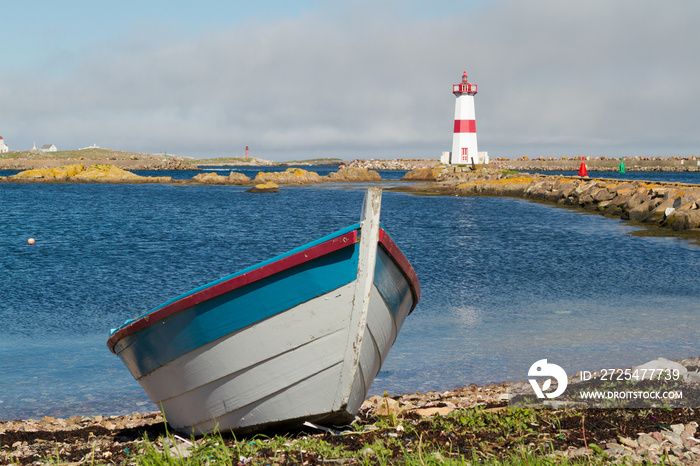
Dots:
pixel 505 282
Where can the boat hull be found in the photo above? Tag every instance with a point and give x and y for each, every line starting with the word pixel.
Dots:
pixel 279 350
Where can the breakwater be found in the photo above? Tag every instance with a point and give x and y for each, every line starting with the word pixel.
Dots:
pixel 671 205
pixel 641 164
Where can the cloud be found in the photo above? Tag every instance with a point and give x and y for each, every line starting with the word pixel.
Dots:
pixel 554 78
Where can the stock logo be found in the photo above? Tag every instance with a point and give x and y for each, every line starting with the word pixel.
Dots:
pixel 543 369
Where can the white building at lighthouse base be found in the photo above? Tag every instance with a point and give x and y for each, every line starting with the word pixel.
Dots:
pixel 481 158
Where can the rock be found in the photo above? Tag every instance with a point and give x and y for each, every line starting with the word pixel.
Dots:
pixel 602 195
pixel 653 367
pixel 110 173
pixel 673 438
pixel 384 406
pixel 395 164
pixel 692 377
pixel 423 174
pixel 238 178
pixel 678 428
pixel 52 174
pixel 636 200
pixel 684 220
pixel 646 440
pixel 426 412
pixel 583 187
pixel 215 178
pixel 78 173
pixel 629 442
pixel 268 187
pixel 289 176
pixel 585 199
pixel 615 449
pixel 639 212
pixel 354 174
pixel 211 178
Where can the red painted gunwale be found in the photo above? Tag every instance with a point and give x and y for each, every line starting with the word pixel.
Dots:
pixel 314 252
pixel 395 253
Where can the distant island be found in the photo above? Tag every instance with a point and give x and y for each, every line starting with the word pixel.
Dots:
pixel 28 160
pixel 31 159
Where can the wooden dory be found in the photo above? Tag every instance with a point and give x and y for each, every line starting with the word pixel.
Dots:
pixel 297 338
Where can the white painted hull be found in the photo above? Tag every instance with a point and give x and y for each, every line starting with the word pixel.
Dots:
pixel 314 361
pixel 299 366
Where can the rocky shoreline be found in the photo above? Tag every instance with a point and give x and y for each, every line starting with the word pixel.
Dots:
pixel 672 206
pixel 614 434
pixel 641 164
pixel 392 164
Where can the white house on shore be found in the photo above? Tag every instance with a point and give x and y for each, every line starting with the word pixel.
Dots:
pixel 3 146
pixel 48 148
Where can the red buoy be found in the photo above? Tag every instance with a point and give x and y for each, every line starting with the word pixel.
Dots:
pixel 582 169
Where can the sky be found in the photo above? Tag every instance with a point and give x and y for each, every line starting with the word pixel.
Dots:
pixel 352 79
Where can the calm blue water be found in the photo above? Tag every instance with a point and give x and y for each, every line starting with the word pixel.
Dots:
pixel 505 282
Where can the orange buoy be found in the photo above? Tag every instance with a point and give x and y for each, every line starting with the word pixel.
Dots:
pixel 30 241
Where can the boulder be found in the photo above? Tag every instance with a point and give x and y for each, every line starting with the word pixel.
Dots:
pixel 585 199
pixel 238 178
pixel 268 187
pixel 422 174
pixel 620 200
pixel 583 187
pixel 61 173
pixel 354 174
pixel 78 173
pixel 211 178
pixel 659 364
pixel 684 219
pixel 636 200
pixel 215 178
pixel 112 174
pixel 602 195
pixel 566 189
pixel 638 213
pixel 289 176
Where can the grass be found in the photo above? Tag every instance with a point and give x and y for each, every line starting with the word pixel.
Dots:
pixel 500 436
pixel 215 449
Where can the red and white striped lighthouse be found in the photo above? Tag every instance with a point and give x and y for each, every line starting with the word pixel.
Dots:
pixel 464 148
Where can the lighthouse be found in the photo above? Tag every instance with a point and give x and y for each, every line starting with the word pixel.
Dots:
pixel 464 147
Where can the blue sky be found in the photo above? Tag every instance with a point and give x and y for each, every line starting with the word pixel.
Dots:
pixel 352 79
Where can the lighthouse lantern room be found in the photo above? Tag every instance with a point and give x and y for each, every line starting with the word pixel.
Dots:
pixel 464 147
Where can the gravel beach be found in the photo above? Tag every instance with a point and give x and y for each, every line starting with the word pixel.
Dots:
pixel 614 434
